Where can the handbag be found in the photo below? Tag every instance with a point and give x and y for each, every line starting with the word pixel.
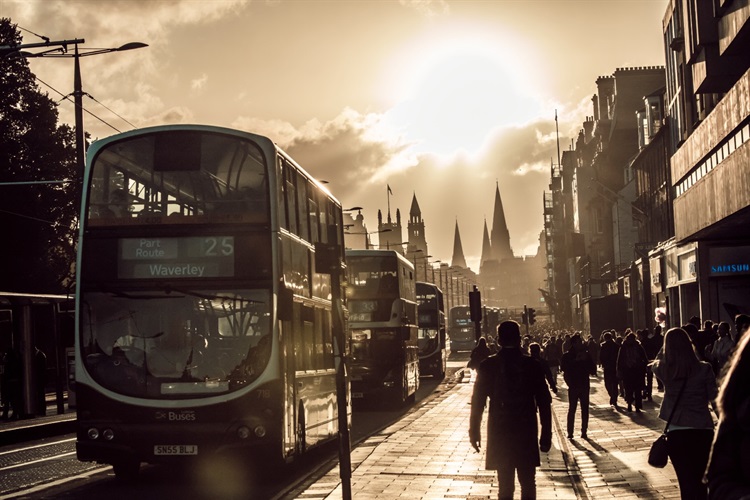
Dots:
pixel 658 455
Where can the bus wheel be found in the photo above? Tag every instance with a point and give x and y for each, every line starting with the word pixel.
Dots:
pixel 126 470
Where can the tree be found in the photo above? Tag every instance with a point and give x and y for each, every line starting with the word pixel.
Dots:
pixel 38 222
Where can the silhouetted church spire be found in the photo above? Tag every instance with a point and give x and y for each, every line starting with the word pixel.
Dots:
pixel 486 247
pixel 500 237
pixel 458 259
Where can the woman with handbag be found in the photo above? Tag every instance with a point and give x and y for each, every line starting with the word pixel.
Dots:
pixel 689 389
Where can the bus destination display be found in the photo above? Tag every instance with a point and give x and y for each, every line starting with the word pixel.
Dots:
pixel 188 257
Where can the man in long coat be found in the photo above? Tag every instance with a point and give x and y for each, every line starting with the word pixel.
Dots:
pixel 516 388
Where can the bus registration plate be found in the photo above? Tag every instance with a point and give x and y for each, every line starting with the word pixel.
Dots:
pixel 175 449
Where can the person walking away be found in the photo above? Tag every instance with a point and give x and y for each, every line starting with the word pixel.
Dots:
pixel 631 369
pixel 553 353
pixel 479 354
pixel 689 389
pixel 577 366
pixel 741 326
pixel 593 346
pixel 12 377
pixel 535 351
pixel 514 383
pixel 652 344
pixel 728 472
pixel 608 359
pixel 721 349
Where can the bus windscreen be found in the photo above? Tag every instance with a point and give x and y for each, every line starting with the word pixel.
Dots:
pixel 145 180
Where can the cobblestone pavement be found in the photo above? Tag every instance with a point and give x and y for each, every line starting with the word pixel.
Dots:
pixel 427 455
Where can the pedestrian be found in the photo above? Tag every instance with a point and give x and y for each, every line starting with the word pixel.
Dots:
pixel 553 353
pixel 479 354
pixel 577 366
pixel 689 389
pixel 652 344
pixel 11 381
pixel 535 351
pixel 728 472
pixel 631 369
pixel 608 359
pixel 593 346
pixel 741 325
pixel 721 349
pixel 515 386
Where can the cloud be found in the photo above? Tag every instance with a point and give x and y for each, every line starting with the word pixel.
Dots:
pixel 352 148
pixel 110 24
pixel 103 22
pixel 359 157
pixel 430 8
pixel 199 83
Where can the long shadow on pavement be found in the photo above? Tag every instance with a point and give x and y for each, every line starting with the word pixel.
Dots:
pixel 613 459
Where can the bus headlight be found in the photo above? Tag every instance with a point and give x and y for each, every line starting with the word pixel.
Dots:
pixel 108 434
pixel 260 431
pixel 243 432
pixel 93 433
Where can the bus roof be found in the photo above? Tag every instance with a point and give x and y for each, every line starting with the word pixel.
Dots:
pixel 379 253
pixel 96 145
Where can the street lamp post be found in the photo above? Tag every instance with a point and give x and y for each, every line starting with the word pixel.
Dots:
pixel 432 266
pixel 61 50
pixel 367 236
pixel 425 258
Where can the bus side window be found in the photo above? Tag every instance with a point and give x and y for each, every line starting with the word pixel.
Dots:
pixel 328 361
pixel 291 197
pixel 314 225
pixel 282 193
pixel 299 339
pixel 323 207
pixel 304 213
pixel 318 341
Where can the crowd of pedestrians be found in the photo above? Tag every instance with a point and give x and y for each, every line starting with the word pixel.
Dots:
pixel 702 370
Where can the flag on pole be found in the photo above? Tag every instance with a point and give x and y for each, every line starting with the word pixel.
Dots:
pixel 389 189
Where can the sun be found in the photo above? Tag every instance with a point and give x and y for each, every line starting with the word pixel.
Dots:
pixel 457 91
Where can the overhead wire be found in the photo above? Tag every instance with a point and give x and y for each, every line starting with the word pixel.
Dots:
pixel 67 97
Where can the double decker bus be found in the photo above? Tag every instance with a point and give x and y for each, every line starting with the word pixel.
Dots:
pixel 461 329
pixel 381 292
pixel 434 346
pixel 203 328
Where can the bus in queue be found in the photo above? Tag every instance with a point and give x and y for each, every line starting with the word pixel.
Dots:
pixel 203 329
pixel 461 329
pixel 382 304
pixel 434 346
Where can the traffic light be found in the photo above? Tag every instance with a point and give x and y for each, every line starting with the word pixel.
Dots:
pixel 531 315
pixel 475 305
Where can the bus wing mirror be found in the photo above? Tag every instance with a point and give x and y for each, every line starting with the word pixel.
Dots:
pixel 286 304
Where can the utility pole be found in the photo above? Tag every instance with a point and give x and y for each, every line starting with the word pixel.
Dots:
pixel 328 259
pixel 525 318
pixel 475 307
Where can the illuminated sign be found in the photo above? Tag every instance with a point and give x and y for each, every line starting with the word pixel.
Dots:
pixel 189 257
pixel 727 261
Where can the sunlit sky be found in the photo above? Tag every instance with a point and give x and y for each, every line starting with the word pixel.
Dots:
pixel 442 99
